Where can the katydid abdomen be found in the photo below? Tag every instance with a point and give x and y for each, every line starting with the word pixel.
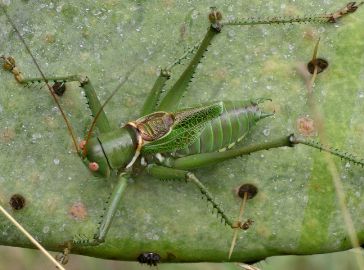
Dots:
pixel 225 131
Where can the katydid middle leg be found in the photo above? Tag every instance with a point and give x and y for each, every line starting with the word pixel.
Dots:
pixel 154 97
pixel 171 100
pixel 108 215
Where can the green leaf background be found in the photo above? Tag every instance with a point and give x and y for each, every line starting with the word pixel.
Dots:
pixel 296 210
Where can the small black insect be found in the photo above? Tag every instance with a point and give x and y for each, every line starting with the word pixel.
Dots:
pixel 246 225
pixel 149 258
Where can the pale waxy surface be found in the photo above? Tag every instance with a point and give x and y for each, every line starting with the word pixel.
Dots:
pixel 295 211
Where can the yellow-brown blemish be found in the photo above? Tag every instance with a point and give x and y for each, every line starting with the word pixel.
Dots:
pixel 263 231
pixel 49 38
pixel 52 204
pixel 306 126
pixel 277 66
pixel 50 122
pixel 168 4
pixel 149 70
pixel 291 10
pixel 78 211
pixel 310 34
pixel 183 32
pixel 7 135
pixel 34 177
pixel 220 74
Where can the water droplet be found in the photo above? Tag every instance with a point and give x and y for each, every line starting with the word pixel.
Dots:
pixel 59 8
pixel 266 132
pixel 231 34
pixel 231 18
pixel 120 29
pixel 55 110
pixel 62 228
pixel 6 2
pixel 35 137
pixel 194 14
pixel 45 229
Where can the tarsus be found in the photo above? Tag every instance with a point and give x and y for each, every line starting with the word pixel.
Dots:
pixel 350 7
pixel 343 155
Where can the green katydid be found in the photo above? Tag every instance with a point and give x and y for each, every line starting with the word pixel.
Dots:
pixel 169 142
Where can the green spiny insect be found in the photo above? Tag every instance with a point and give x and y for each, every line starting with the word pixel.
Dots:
pixel 167 142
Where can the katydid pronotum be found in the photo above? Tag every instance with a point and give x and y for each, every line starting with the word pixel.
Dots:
pixel 169 142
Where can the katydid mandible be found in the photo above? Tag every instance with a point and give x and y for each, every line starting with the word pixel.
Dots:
pixel 169 143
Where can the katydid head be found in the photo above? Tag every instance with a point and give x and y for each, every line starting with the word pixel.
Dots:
pixel 95 158
pixel 110 151
pixel 154 133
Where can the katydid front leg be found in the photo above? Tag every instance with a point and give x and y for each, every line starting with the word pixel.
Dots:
pixel 108 216
pixel 85 83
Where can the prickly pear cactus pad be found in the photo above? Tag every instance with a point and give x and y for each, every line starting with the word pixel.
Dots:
pixel 295 211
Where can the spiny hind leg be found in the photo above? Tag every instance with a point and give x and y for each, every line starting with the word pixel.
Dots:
pixel 208 159
pixel 59 87
pixel 166 173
